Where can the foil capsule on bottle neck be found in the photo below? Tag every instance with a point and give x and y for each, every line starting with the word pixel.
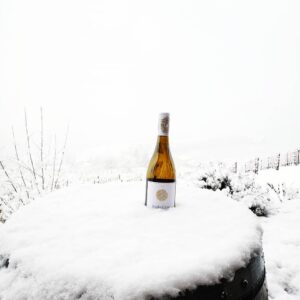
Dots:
pixel 163 124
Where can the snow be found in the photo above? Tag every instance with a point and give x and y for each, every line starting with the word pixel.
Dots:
pixel 281 240
pixel 286 180
pixel 92 240
pixel 276 193
pixel 289 175
pixel 101 242
pixel 282 252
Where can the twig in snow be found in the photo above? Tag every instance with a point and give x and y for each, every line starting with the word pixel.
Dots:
pixel 8 177
pixel 25 167
pixel 6 204
pixel 54 164
pixel 42 144
pixel 29 152
pixel 62 157
pixel 18 160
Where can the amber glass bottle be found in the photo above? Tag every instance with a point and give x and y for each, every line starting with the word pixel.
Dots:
pixel 161 175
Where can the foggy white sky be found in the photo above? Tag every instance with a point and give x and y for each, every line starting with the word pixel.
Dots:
pixel 227 71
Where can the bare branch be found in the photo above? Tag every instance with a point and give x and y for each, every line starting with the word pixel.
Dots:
pixel 62 157
pixel 25 167
pixel 6 203
pixel 18 160
pixel 8 177
pixel 46 164
pixel 54 164
pixel 42 145
pixel 29 151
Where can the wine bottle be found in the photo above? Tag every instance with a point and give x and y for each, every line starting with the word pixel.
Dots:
pixel 161 175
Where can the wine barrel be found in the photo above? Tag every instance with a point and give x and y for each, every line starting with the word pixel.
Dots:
pixel 154 252
pixel 249 283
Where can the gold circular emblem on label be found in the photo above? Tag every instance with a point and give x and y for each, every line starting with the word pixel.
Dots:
pixel 161 195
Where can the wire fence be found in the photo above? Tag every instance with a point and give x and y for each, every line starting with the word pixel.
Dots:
pixel 273 162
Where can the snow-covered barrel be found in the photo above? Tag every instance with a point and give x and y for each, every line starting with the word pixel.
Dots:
pixel 249 283
pixel 101 242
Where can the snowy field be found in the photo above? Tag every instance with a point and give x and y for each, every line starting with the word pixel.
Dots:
pixel 41 230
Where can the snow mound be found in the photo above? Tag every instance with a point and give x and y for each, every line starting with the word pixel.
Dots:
pixel 101 242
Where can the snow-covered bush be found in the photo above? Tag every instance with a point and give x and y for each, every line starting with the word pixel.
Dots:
pixel 215 179
pixel 263 199
pixel 35 167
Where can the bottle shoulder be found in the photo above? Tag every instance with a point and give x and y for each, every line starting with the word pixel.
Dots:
pixel 161 166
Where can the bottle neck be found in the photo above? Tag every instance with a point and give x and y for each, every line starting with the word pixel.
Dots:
pixel 162 144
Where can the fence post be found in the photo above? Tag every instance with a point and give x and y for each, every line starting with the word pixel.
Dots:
pixel 235 167
pixel 278 162
pixel 295 158
pixel 256 165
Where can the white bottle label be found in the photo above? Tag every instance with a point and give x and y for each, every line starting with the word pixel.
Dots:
pixel 161 194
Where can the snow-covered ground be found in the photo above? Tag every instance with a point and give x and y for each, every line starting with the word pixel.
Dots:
pixel 33 234
pixel 282 252
pixel 282 238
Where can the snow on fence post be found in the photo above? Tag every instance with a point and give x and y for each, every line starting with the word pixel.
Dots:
pixel 295 158
pixel 235 167
pixel 261 165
